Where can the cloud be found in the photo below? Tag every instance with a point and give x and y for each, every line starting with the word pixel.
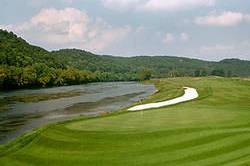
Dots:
pixel 218 51
pixel 218 48
pixel 247 17
pixel 69 27
pixel 156 5
pixel 173 5
pixel 225 19
pixel 46 3
pixel 168 38
pixel 184 37
pixel 121 4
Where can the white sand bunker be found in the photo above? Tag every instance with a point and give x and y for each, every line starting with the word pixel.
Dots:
pixel 190 94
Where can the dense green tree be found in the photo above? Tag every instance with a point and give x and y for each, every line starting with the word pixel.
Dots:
pixel 3 75
pixel 44 74
pixel 173 73
pixel 204 73
pixel 14 77
pixel 59 77
pixel 197 73
pixel 218 72
pixel 144 74
pixel 29 76
pixel 229 73
pixel 200 73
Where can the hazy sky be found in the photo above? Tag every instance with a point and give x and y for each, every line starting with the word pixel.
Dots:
pixel 205 29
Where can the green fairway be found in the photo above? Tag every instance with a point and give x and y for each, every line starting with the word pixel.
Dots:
pixel 211 130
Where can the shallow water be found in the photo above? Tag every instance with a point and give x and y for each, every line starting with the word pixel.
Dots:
pixel 18 116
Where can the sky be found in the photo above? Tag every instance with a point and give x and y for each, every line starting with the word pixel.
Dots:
pixel 204 29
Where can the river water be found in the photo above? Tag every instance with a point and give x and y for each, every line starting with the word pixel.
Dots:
pixel 23 110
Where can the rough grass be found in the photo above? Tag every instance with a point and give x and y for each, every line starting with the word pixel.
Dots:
pixel 211 130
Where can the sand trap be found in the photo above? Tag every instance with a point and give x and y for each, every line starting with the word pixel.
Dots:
pixel 190 94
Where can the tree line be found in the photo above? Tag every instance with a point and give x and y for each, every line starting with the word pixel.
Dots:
pixel 40 75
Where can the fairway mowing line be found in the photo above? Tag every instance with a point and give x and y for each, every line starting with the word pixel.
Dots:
pixel 190 94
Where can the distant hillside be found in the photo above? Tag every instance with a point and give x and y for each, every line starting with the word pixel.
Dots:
pixel 161 66
pixel 25 65
pixel 236 66
pixel 14 51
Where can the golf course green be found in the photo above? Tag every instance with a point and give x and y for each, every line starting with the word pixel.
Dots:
pixel 213 129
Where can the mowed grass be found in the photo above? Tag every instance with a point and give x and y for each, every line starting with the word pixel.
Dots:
pixel 211 130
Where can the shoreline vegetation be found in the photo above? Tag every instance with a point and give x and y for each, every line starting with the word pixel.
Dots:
pixel 26 66
pixel 221 120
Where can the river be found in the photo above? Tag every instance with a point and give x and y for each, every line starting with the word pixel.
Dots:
pixel 24 110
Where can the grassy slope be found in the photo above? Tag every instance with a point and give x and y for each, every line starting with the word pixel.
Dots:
pixel 212 130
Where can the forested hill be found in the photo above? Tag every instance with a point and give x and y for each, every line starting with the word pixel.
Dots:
pixel 25 65
pixel 160 66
